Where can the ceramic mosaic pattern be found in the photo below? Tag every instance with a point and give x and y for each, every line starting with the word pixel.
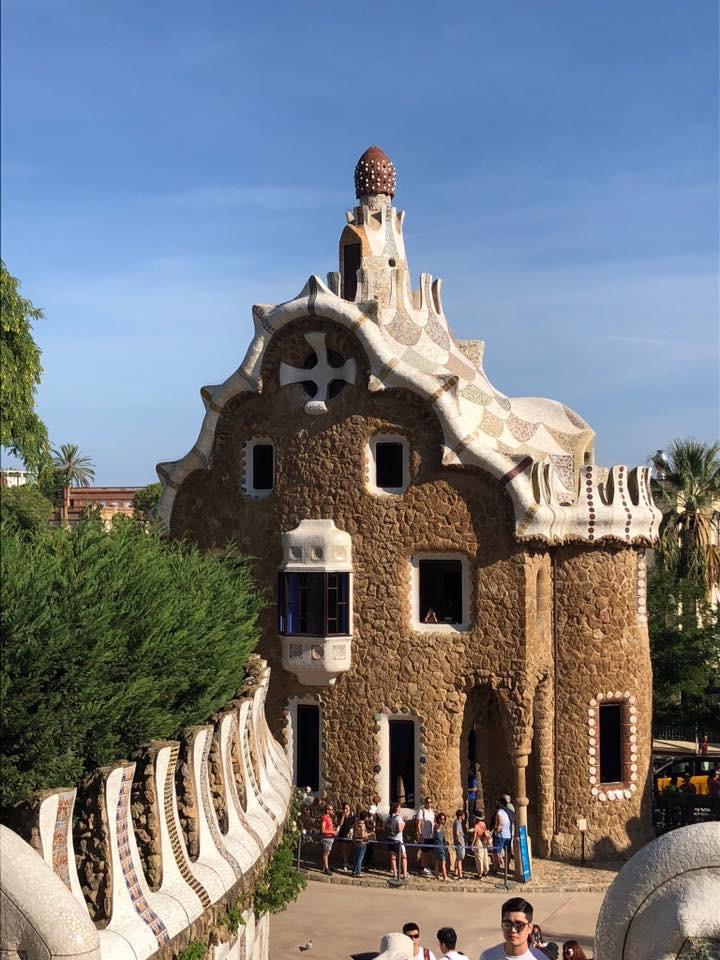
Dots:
pixel 209 811
pixel 248 757
pixel 175 844
pixel 129 872
pixel 410 346
pixel 232 788
pixel 63 824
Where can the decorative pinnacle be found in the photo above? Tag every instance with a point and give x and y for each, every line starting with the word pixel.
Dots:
pixel 374 174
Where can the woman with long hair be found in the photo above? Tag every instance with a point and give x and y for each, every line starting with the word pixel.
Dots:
pixel 573 951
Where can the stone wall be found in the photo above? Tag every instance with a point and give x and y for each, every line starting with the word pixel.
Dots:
pixel 127 861
pixel 508 651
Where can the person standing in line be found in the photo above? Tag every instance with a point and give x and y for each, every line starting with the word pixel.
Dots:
pixel 396 826
pixel 361 836
pixel 459 842
pixel 516 922
pixel 344 835
pixel 713 782
pixel 502 833
pixel 374 822
pixel 508 804
pixel 481 840
pixel 447 941
pixel 440 850
pixel 425 824
pixel 689 792
pixel 327 836
pixel 412 930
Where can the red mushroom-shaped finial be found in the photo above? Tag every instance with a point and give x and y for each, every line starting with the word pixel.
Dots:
pixel 374 174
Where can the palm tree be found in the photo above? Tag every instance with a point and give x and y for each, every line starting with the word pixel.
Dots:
pixel 73 468
pixel 686 487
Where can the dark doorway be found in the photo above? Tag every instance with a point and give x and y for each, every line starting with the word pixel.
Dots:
pixel 610 742
pixel 351 265
pixel 484 750
pixel 402 762
pixel 307 746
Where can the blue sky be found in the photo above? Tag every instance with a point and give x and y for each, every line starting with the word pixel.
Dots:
pixel 168 164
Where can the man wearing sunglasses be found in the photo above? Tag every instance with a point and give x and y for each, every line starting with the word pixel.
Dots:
pixel 412 930
pixel 516 926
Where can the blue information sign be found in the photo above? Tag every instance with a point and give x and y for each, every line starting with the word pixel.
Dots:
pixel 524 854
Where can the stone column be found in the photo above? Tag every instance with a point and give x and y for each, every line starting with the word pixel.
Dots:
pixel 520 761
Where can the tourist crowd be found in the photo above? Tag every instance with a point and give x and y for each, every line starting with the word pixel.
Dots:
pixel 522 940
pixel 436 847
pixel 679 799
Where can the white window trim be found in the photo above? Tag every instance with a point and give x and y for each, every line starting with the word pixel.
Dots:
pixel 248 486
pixel 371 469
pixel 414 577
pixel 383 741
pixel 290 731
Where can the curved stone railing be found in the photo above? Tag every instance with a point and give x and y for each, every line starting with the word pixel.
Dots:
pixel 147 868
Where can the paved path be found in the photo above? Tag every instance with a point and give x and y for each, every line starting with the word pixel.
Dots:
pixel 344 920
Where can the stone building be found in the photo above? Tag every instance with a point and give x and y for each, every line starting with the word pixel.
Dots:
pixel 454 583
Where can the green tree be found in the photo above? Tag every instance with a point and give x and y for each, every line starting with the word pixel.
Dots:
pixel 280 883
pixel 73 468
pixel 22 432
pixel 25 507
pixel 687 490
pixel 684 644
pixel 110 639
pixel 145 500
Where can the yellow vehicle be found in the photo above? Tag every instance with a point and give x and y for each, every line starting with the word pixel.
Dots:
pixel 697 767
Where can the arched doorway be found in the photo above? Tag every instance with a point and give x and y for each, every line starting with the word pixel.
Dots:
pixel 484 747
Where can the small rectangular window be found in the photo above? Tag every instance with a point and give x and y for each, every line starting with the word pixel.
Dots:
pixel 441 592
pixel 263 466
pixel 389 458
pixel 314 604
pixel 611 734
pixel 402 762
pixel 307 747
pixel 351 265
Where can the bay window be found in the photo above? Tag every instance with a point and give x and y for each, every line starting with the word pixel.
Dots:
pixel 314 604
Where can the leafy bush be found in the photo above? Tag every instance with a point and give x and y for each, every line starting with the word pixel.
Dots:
pixel 110 639
pixel 145 500
pixel 25 507
pixel 194 951
pixel 233 918
pixel 280 883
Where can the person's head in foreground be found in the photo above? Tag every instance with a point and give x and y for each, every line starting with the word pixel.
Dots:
pixel 516 922
pixel 412 930
pixel 573 951
pixel 396 946
pixel 447 940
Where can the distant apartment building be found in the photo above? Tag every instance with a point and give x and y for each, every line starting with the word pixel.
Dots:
pixel 12 477
pixel 112 501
